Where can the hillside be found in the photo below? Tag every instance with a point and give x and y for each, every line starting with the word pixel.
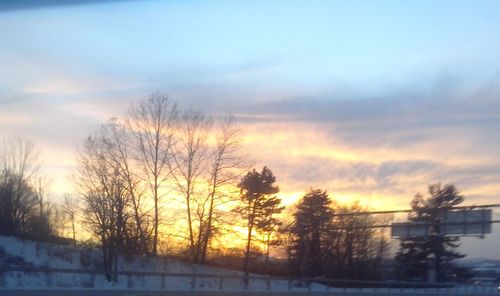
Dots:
pixel 16 252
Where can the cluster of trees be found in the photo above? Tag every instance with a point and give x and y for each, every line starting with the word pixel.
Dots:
pixel 158 155
pixel 322 240
pixel 343 242
pixel 23 209
pixel 334 241
pixel 160 166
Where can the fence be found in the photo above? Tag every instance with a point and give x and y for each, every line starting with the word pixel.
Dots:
pixel 267 282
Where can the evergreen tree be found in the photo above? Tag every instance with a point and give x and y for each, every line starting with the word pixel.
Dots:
pixel 334 241
pixel 435 251
pixel 311 230
pixel 259 204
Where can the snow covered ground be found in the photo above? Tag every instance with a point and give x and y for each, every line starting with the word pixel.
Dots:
pixel 25 253
pixel 15 252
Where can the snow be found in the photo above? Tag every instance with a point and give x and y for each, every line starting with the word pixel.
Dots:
pixel 48 255
pixel 19 252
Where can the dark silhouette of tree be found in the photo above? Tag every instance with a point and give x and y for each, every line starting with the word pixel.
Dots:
pixel 23 208
pixel 226 165
pixel 199 171
pixel 259 204
pixel 18 204
pixel 152 122
pixel 156 152
pixel 356 249
pixel 310 234
pixel 40 225
pixel 189 159
pixel 119 143
pixel 104 186
pixel 70 209
pixel 269 231
pixel 333 241
pixel 435 251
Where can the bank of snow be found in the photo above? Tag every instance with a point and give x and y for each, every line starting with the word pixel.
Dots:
pixel 15 252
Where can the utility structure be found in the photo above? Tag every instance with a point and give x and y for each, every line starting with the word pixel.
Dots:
pixel 457 221
pixel 432 228
pixel 453 221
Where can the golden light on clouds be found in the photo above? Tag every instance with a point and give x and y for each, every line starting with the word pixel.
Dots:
pixel 304 155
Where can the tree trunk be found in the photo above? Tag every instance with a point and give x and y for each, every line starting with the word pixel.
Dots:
pixel 268 243
pixel 73 228
pixel 156 220
pixel 208 233
pixel 246 263
pixel 190 223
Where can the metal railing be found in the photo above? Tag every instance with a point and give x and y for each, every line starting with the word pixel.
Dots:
pixel 292 283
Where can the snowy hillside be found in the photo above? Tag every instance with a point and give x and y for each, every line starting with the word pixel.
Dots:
pixel 15 252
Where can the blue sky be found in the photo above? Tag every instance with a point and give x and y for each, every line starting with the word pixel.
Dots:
pixel 315 46
pixel 370 100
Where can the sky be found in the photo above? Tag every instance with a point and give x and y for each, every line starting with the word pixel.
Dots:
pixel 369 100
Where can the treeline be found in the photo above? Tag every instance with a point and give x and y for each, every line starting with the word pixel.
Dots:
pixel 142 177
pixel 320 239
pixel 23 209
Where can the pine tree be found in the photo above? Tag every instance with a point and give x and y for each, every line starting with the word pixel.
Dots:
pixel 435 251
pixel 311 228
pixel 259 205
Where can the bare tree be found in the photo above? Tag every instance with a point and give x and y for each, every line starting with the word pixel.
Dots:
pixel 119 156
pixel 19 166
pixel 357 245
pixel 226 166
pixel 170 151
pixel 152 123
pixel 70 209
pixel 204 161
pixel 20 158
pixel 105 198
pixel 189 163
pixel 40 223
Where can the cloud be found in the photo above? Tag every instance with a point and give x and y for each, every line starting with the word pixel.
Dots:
pixel 388 147
pixel 410 107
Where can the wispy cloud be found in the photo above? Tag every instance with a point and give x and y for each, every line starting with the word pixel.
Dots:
pixel 389 147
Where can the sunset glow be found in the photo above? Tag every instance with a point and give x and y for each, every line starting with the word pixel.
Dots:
pixel 374 115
